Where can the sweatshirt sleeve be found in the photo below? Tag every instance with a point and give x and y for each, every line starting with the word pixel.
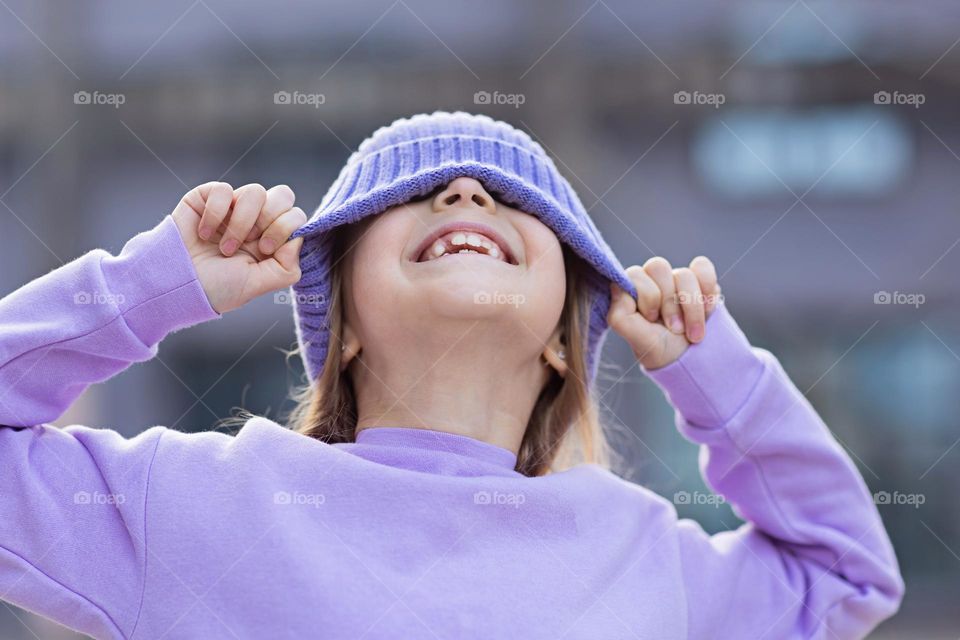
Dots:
pixel 90 319
pixel 73 501
pixel 813 559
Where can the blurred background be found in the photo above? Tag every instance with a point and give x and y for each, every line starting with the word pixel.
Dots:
pixel 811 149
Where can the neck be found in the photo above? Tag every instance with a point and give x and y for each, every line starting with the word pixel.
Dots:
pixel 469 387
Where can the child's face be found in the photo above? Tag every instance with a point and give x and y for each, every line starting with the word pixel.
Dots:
pixel 407 275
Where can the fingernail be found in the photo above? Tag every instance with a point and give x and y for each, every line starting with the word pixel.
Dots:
pixel 204 232
pixel 267 245
pixel 696 333
pixel 676 324
pixel 230 246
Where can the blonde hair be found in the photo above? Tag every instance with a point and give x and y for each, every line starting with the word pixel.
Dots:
pixel 564 428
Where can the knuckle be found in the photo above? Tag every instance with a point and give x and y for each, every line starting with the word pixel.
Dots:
pixel 657 264
pixel 255 189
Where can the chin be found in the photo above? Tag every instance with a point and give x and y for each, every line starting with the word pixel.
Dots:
pixel 469 294
pixel 468 300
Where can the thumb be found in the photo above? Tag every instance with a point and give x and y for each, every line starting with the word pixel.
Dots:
pixel 288 256
pixel 282 269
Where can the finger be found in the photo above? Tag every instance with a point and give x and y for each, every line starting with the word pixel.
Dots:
pixel 662 274
pixel 279 200
pixel 217 198
pixel 648 293
pixel 282 269
pixel 196 198
pixel 281 228
pixel 248 202
pixel 288 257
pixel 706 274
pixel 691 302
pixel 623 318
pixel 621 303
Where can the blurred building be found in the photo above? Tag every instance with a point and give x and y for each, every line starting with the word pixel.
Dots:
pixel 812 150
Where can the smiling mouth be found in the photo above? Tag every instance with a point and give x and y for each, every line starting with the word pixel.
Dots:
pixel 465 242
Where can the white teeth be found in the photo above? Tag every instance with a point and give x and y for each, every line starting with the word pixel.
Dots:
pixel 464 242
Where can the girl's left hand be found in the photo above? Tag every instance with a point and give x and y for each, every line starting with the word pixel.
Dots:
pixel 671 310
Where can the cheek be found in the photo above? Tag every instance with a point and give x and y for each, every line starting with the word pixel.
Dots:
pixel 545 284
pixel 376 291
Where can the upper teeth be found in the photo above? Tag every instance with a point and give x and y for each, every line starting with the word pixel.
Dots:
pixel 463 242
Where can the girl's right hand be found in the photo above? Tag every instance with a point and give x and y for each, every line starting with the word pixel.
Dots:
pixel 238 240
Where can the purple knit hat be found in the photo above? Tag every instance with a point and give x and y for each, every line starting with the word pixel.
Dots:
pixel 411 158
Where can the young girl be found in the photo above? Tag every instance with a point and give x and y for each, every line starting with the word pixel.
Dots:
pixel 443 476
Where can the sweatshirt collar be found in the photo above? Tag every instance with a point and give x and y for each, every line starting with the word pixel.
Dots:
pixel 432 451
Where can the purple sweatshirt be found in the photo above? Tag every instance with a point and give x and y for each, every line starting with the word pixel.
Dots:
pixel 406 533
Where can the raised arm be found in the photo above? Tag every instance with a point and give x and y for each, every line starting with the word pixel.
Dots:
pixel 813 559
pixel 73 501
pixel 74 508
pixel 90 319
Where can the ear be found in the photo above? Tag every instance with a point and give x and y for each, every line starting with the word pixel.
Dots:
pixel 555 353
pixel 349 348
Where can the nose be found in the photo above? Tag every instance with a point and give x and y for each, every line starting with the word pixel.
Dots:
pixel 464 192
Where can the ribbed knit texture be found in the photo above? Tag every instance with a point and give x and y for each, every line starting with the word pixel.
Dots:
pixel 413 156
